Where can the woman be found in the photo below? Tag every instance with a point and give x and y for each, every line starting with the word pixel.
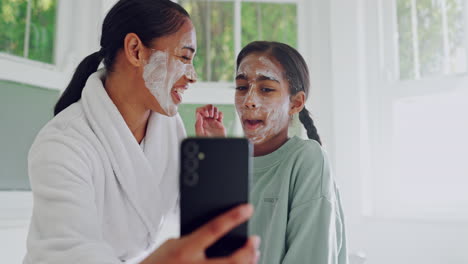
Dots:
pixel 104 171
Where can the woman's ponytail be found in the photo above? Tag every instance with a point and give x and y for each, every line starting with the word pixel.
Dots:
pixel 149 19
pixel 308 123
pixel 73 91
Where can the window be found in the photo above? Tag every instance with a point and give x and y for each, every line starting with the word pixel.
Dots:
pixel 28 28
pixel 258 18
pixel 431 38
pixel 419 107
pixel 225 26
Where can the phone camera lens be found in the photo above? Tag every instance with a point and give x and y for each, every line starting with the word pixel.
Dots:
pixel 191 149
pixel 191 165
pixel 191 179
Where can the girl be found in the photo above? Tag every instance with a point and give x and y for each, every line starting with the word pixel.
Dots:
pixel 298 211
pixel 103 172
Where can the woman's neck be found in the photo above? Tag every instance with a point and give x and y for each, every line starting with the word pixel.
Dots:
pixel 121 90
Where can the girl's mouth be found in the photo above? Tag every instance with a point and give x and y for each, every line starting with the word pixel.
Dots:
pixel 252 124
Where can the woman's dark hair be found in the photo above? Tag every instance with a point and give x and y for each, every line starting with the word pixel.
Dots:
pixel 149 19
pixel 296 72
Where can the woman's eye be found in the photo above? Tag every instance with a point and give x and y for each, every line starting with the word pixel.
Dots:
pixel 185 58
pixel 241 88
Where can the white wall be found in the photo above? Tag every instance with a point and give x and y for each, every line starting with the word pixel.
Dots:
pixel 345 59
pixel 15 211
pixel 333 43
pixel 78 36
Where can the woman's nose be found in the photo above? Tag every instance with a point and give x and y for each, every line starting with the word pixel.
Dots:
pixel 190 73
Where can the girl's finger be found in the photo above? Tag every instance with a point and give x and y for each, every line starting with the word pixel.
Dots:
pixel 216 113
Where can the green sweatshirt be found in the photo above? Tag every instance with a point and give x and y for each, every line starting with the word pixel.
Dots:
pixel 298 211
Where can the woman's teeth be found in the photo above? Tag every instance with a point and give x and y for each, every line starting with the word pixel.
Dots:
pixel 180 91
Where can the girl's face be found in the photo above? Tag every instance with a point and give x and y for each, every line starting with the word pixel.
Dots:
pixel 169 69
pixel 262 97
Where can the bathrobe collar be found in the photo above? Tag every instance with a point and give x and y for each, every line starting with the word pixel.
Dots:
pixel 129 163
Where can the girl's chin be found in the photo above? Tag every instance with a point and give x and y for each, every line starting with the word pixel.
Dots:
pixel 257 139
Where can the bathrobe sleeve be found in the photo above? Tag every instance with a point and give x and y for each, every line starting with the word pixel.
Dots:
pixel 315 228
pixel 65 218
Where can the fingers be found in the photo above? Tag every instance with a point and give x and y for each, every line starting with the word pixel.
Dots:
pixel 216 113
pixel 204 110
pixel 199 125
pixel 209 111
pixel 220 117
pixel 247 254
pixel 212 231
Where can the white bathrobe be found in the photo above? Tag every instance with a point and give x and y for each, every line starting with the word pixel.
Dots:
pixel 98 197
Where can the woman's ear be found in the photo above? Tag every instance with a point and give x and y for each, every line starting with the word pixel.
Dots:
pixel 297 103
pixel 134 50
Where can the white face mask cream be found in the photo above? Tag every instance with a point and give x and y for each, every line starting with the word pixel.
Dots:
pixel 160 75
pixel 262 117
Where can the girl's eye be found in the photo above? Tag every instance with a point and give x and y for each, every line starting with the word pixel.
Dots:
pixel 267 90
pixel 241 88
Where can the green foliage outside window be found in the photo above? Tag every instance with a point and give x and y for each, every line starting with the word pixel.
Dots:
pixel 267 21
pixel 430 37
pixel 42 37
pixel 13 24
pixel 214 22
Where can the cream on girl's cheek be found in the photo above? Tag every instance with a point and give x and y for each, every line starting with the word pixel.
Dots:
pixel 273 113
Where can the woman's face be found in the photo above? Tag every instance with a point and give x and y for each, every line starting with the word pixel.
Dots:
pixel 169 68
pixel 262 97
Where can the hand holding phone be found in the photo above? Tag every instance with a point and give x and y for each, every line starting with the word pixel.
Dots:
pixel 191 248
pixel 214 178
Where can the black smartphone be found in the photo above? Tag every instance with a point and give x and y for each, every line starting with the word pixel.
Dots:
pixel 214 177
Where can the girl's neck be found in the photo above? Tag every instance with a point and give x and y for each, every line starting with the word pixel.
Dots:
pixel 271 144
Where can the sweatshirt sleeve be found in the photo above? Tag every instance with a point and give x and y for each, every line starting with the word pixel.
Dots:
pixel 315 228
pixel 65 227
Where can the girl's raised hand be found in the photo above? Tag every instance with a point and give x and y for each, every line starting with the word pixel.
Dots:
pixel 209 122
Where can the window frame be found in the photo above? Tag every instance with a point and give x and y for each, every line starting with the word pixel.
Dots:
pixel 15 65
pixel 75 38
pixel 78 37
pixel 225 90
pixel 384 90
